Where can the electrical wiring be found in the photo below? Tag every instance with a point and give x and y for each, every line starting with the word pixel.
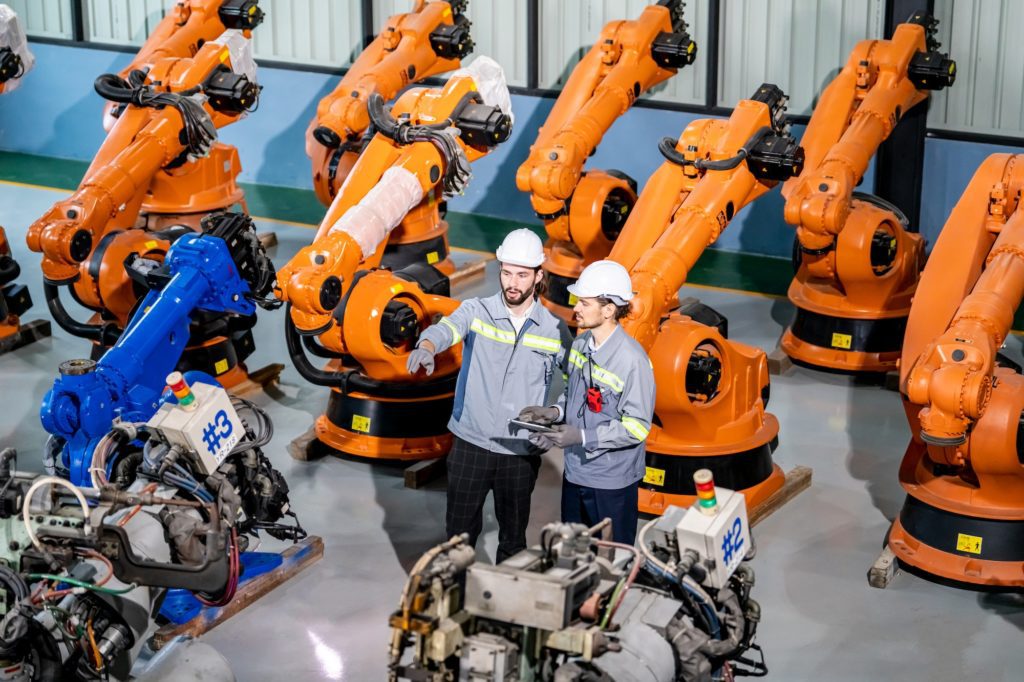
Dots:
pixel 26 508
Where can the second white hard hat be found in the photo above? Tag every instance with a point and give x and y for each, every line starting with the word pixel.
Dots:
pixel 521 247
pixel 604 278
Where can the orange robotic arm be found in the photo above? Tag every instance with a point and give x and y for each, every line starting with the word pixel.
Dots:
pixel 882 80
pixel 711 392
pixel 424 42
pixel 438 132
pixel 172 117
pixel 962 470
pixel 184 29
pixel 584 212
pixel 715 169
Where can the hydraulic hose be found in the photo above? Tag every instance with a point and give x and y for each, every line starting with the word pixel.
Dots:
pixel 101 333
pixel 351 379
pixel 667 147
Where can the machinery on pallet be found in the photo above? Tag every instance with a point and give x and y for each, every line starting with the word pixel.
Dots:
pixel 86 574
pixel 584 211
pixel 364 319
pixel 963 519
pixel 711 391
pixel 222 272
pixel 15 61
pixel 82 574
pixel 857 262
pixel 428 40
pixel 151 163
pixel 577 607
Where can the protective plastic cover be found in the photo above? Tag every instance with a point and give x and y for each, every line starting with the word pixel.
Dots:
pixel 240 49
pixel 12 35
pixel 490 83
pixel 371 220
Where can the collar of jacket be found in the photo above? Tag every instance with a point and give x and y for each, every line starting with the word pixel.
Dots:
pixel 495 306
pixel 607 350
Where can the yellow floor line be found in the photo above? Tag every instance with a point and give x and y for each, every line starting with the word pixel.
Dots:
pixel 729 290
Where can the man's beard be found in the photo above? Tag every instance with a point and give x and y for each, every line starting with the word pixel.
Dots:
pixel 522 296
pixel 581 324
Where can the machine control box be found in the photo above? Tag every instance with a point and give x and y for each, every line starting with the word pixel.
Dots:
pixel 721 540
pixel 519 591
pixel 211 429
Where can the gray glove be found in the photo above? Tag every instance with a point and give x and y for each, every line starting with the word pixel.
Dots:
pixel 537 414
pixel 540 440
pixel 565 435
pixel 420 357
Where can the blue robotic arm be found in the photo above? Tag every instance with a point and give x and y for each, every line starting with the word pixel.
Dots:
pixel 222 270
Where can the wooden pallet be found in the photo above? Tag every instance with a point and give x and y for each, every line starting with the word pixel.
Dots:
pixel 30 332
pixel 296 558
pixel 884 570
pixel 258 379
pixel 778 362
pixel 468 272
pixel 798 479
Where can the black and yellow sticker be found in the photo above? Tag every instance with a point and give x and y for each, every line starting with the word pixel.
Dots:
pixel 220 366
pixel 360 423
pixel 843 341
pixel 968 543
pixel 654 476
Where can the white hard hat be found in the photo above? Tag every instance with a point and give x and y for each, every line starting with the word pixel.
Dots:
pixel 604 278
pixel 521 247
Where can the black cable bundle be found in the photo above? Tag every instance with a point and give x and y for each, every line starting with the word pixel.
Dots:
pixel 199 131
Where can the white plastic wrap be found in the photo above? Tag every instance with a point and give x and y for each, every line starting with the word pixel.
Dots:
pixel 12 35
pixel 371 220
pixel 490 83
pixel 240 49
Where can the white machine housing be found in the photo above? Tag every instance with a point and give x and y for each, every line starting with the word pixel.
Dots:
pixel 211 429
pixel 721 540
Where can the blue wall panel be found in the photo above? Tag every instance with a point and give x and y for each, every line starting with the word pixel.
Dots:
pixel 56 113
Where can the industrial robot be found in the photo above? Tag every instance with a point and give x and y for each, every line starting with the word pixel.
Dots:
pixel 584 211
pixel 578 608
pixel 87 573
pixel 963 519
pixel 857 262
pixel 15 300
pixel 364 319
pixel 428 40
pixel 156 152
pixel 220 272
pixel 711 391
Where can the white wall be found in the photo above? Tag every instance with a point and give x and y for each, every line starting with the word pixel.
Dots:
pixel 47 18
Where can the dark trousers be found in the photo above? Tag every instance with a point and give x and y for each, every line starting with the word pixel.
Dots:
pixel 472 473
pixel 589 506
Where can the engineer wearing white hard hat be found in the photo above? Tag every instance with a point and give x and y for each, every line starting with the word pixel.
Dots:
pixel 607 407
pixel 511 348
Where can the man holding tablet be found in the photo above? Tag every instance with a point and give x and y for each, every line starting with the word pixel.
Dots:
pixel 512 346
pixel 607 407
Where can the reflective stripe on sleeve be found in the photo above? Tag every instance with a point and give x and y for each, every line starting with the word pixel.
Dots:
pixel 456 337
pixel 635 427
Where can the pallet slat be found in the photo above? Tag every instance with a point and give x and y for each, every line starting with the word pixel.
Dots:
pixel 294 559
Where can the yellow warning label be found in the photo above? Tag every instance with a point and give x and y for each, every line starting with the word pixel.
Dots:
pixel 433 257
pixel 221 366
pixel 841 340
pixel 968 543
pixel 573 299
pixel 398 288
pixel 360 423
pixel 225 55
pixel 151 244
pixel 654 476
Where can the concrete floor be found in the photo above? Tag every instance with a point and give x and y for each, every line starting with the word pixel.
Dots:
pixel 821 620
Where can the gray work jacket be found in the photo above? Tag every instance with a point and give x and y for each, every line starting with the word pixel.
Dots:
pixel 502 372
pixel 614 439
